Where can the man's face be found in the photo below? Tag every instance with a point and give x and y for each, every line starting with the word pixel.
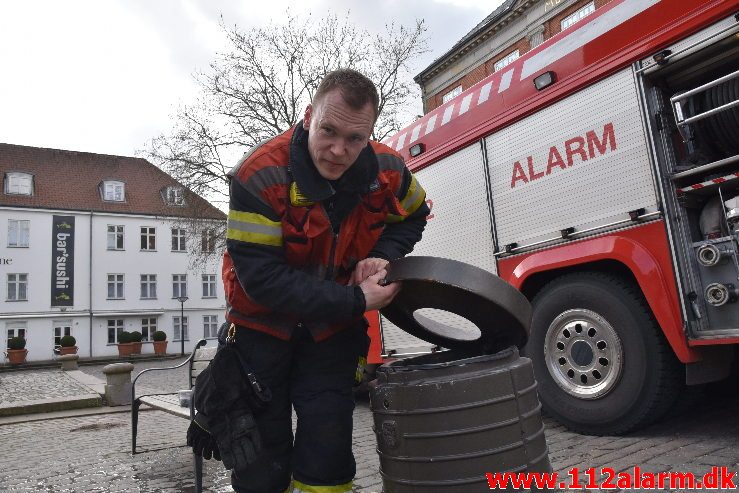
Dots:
pixel 337 133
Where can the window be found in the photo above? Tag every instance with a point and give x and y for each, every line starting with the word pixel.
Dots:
pixel 18 233
pixel 208 241
pixel 15 329
pixel 451 94
pixel 19 183
pixel 17 287
pixel 115 327
pixel 148 286
pixel 178 326
pixel 505 61
pixel 148 238
pixel 179 285
pixel 148 327
pixel 115 237
pixel 578 16
pixel 115 286
pixel 178 240
pixel 210 326
pixel 209 285
pixel 61 329
pixel 175 196
pixel 114 191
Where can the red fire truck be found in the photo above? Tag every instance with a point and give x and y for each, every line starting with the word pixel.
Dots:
pixel 599 174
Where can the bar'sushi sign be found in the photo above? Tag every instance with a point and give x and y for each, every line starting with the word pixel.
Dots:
pixel 62 261
pixel 576 149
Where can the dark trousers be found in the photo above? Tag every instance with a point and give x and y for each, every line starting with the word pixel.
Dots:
pixel 316 379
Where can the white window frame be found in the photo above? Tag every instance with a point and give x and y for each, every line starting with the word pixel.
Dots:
pixel 17 183
pixel 114 191
pixel 451 94
pixel 117 325
pixel 61 328
pixel 15 329
pixel 210 326
pixel 148 239
pixel 116 237
pixel 175 196
pixel 17 284
pixel 506 60
pixel 209 285
pixel 179 240
pixel 148 327
pixel 148 287
pixel 208 240
pixel 19 233
pixel 118 284
pixel 176 325
pixel 577 16
pixel 179 285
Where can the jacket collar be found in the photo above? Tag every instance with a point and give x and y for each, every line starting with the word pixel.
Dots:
pixel 357 179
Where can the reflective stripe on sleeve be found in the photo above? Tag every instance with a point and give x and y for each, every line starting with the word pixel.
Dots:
pixel 411 202
pixel 251 227
pixel 299 487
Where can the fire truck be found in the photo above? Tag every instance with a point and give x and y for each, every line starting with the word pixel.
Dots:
pixel 599 175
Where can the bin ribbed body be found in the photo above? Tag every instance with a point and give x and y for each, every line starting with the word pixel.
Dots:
pixel 441 423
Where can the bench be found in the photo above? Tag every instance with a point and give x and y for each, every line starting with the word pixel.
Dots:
pixel 170 403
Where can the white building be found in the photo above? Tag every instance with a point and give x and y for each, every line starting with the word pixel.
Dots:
pixel 91 245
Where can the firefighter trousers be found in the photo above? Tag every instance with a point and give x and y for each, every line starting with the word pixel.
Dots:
pixel 316 379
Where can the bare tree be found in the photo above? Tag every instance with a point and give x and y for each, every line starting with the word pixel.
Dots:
pixel 261 86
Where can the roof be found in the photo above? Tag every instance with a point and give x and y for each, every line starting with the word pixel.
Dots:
pixel 71 180
pixel 479 29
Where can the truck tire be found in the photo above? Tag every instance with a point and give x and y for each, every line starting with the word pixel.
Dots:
pixel 601 362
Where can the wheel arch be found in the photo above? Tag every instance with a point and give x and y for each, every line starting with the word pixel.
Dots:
pixel 615 254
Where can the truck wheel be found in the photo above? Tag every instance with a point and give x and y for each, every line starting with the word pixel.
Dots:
pixel 601 362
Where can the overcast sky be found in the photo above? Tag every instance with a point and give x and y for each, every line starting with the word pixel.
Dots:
pixel 105 76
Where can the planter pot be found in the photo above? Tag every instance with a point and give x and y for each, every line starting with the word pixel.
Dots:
pixel 136 347
pixel 160 347
pixel 17 356
pixel 124 349
pixel 68 350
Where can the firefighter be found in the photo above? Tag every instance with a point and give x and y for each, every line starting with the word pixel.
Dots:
pixel 315 215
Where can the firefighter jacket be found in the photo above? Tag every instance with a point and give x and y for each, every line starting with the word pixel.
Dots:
pixel 294 237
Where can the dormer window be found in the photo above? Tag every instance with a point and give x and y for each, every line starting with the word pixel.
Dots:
pixel 19 184
pixel 175 196
pixel 114 191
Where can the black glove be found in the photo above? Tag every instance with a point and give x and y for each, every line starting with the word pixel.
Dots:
pixel 237 438
pixel 200 439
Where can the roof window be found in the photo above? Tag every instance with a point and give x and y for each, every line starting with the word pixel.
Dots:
pixel 175 196
pixel 114 191
pixel 18 183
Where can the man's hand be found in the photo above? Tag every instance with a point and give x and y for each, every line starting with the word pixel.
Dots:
pixel 365 268
pixel 377 296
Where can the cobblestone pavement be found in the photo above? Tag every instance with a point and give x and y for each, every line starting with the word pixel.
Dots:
pixel 91 453
pixel 34 385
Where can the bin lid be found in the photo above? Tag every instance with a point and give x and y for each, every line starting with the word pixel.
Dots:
pixel 493 313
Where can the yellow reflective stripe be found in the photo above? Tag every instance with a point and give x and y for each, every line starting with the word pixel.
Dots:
pixel 299 487
pixel 414 197
pixel 253 228
pixel 393 218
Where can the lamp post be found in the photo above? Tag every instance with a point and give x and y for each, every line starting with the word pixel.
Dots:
pixel 182 300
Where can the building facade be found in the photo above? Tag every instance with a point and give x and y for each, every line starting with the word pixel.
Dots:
pixel 513 29
pixel 92 245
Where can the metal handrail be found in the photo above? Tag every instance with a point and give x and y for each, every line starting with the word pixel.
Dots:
pixel 677 98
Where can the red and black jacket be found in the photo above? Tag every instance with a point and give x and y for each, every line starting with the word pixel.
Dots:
pixel 294 237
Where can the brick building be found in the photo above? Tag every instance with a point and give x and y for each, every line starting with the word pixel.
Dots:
pixel 511 30
pixel 92 244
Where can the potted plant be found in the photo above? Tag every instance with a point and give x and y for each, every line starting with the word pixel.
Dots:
pixel 135 340
pixel 160 342
pixel 17 350
pixel 68 345
pixel 124 344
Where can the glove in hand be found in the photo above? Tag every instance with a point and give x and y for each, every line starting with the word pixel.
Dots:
pixel 200 439
pixel 237 437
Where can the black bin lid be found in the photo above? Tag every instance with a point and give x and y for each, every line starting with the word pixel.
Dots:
pixel 500 312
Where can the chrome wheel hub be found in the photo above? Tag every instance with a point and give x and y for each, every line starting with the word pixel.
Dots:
pixel 583 353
